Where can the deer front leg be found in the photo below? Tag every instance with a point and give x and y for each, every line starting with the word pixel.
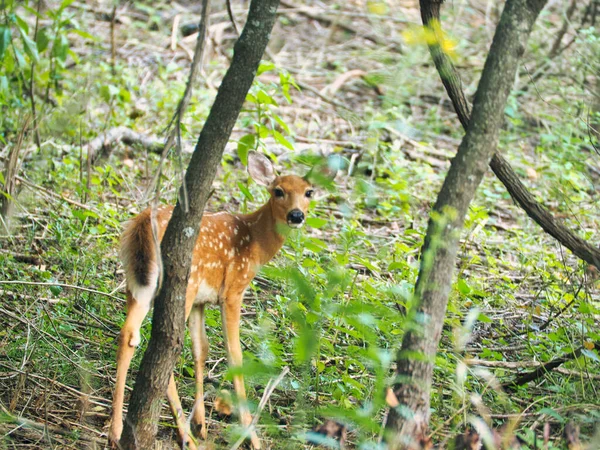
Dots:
pixel 199 350
pixel 231 315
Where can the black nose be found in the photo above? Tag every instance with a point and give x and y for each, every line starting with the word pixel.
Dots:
pixel 295 216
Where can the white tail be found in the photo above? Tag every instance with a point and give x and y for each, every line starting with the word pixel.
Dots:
pixel 228 253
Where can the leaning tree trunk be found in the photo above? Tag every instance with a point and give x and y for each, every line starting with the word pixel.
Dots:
pixel 408 422
pixel 168 321
pixel 430 15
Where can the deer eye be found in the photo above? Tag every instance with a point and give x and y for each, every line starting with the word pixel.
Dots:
pixel 309 193
pixel 279 192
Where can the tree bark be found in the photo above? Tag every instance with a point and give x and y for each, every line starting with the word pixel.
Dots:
pixel 408 422
pixel 430 14
pixel 168 322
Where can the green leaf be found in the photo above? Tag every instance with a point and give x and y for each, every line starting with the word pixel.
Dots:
pixel 83 34
pixel 463 287
pixel 42 40
pixel 124 95
pixel 552 413
pixel 283 141
pixel 262 131
pixel 283 125
pixel 245 191
pixel 316 222
pixel 315 245
pixel 30 47
pixel 590 354
pixel 245 144
pixel 65 4
pixel 56 290
pixel 1 175
pixel 265 66
pixel 22 25
pixel 108 91
pixel 483 318
pixel 19 56
pixel 5 38
pixel 265 98
pixel 3 88
pixel 61 48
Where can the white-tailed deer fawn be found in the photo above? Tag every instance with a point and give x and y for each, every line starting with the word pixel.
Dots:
pixel 228 253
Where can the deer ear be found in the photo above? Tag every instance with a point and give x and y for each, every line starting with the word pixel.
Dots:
pixel 260 168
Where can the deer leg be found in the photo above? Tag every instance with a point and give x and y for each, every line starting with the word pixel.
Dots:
pixel 129 338
pixel 185 438
pixel 231 315
pixel 199 350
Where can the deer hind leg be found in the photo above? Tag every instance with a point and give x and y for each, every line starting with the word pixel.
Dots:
pixel 199 350
pixel 185 438
pixel 129 338
pixel 231 315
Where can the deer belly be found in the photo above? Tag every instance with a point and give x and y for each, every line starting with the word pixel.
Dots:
pixel 206 293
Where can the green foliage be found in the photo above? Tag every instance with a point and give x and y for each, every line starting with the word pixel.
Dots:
pixel 263 117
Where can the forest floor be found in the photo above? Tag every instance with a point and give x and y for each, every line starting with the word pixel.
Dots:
pixel 331 306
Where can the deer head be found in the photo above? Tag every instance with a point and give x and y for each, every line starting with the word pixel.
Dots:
pixel 290 194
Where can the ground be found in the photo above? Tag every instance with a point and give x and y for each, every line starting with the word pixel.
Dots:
pixel 331 306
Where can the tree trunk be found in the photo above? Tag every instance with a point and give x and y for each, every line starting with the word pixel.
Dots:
pixel 430 14
pixel 408 422
pixel 168 321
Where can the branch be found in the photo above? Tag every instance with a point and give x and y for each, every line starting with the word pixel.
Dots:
pixel 407 424
pixel 542 370
pixel 430 13
pixel 101 145
pixel 174 127
pixel 271 385
pixel 168 322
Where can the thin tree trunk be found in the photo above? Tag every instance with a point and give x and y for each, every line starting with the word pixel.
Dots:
pixel 168 320
pixel 408 422
pixel 430 14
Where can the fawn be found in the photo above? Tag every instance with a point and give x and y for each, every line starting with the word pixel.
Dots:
pixel 228 253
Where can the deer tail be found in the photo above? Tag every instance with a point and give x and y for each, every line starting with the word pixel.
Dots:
pixel 139 257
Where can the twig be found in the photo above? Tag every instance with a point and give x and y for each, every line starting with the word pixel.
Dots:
pixel 565 26
pixel 174 127
pixel 270 388
pixel 502 364
pixel 22 422
pixel 231 18
pixel 36 130
pixel 315 91
pixel 11 169
pixel 113 45
pixel 542 370
pixel 68 286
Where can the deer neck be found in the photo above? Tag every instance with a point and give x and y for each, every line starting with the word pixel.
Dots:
pixel 265 237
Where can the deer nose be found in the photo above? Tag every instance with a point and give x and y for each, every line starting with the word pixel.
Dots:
pixel 295 216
